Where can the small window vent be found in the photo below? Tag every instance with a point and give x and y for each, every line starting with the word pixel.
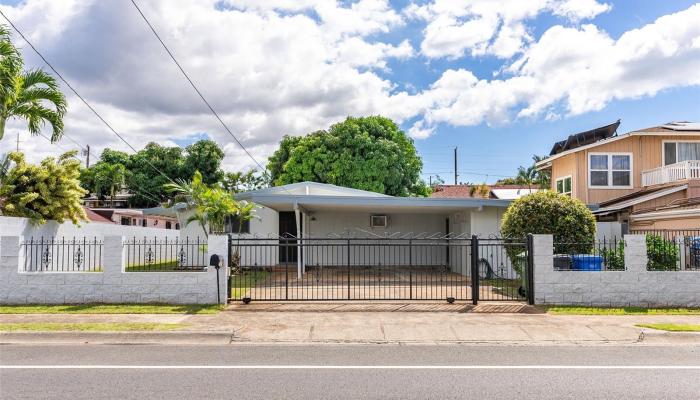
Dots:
pixel 378 221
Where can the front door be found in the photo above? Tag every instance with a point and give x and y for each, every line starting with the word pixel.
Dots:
pixel 288 234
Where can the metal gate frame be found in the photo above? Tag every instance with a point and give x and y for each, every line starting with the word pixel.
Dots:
pixel 524 293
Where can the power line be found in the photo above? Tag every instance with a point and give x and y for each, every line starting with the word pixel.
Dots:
pixel 263 169
pixel 79 96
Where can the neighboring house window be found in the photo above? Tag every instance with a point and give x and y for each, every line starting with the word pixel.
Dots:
pixel 564 185
pixel 612 170
pixel 144 222
pixel 675 152
pixel 126 221
pixel 167 225
pixel 177 226
pixel 232 225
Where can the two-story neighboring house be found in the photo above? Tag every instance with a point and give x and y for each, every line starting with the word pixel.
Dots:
pixel 648 179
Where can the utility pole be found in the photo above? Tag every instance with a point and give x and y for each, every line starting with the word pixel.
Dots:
pixel 87 159
pixel 456 165
pixel 430 179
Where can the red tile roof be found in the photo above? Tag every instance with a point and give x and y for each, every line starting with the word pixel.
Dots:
pixel 95 217
pixel 463 191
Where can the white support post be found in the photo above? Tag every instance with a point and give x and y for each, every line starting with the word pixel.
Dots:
pixel 298 223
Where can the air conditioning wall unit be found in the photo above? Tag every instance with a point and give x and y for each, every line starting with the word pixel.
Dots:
pixel 378 221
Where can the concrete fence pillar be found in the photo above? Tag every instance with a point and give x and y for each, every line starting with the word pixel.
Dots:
pixel 113 257
pixel 218 244
pixel 543 258
pixel 635 253
pixel 9 265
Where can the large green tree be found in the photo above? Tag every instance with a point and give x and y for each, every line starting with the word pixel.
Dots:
pixel 369 153
pixel 48 191
pixel 149 170
pixel 142 171
pixel 31 95
pixel 204 156
pixel 235 182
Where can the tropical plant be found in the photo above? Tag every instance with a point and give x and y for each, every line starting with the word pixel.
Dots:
pixel 210 205
pixel 109 179
pixel 483 190
pixel 32 95
pixel 529 176
pixel 369 153
pixel 48 191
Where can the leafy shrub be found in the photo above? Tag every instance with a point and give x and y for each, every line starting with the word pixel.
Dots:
pixel 662 254
pixel 614 257
pixel 569 220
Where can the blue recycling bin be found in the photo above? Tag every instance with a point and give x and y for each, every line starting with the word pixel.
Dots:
pixel 587 262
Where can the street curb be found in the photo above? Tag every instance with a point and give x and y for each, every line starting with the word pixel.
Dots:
pixel 116 337
pixel 653 336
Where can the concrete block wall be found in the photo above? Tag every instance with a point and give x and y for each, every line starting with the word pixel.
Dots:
pixel 633 287
pixel 112 284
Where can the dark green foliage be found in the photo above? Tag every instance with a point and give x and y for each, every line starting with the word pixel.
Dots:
pixel 204 156
pixel 569 220
pixel 143 180
pixel 236 182
pixel 614 257
pixel 662 254
pixel 369 153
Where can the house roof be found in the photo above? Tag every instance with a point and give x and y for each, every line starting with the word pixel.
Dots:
pixel 672 128
pixel 330 197
pixel 95 217
pixel 637 198
pixel 312 188
pixel 505 192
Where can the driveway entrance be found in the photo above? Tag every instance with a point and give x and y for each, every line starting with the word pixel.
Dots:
pixel 446 268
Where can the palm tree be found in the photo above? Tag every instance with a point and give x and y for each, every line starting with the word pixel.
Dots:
pixel 110 178
pixel 32 95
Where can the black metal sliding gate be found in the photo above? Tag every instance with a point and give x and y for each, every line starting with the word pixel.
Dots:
pixel 323 269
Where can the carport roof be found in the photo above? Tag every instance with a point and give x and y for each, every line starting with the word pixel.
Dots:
pixel 331 197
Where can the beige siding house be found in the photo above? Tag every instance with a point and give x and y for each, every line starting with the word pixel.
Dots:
pixel 649 179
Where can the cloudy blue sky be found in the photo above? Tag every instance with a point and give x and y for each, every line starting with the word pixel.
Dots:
pixel 501 80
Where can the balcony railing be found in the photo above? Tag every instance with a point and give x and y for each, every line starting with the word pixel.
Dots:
pixel 671 173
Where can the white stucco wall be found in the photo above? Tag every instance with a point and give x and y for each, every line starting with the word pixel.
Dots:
pixel 633 287
pixel 112 284
pixel 13 226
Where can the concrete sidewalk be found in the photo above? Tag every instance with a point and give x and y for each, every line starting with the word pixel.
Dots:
pixel 379 323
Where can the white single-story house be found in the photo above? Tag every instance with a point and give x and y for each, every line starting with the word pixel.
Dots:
pixel 317 210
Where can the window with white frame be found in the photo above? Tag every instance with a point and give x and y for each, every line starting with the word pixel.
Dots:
pixel 675 152
pixel 610 170
pixel 564 185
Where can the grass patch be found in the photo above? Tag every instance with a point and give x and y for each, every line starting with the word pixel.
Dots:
pixel 111 309
pixel 240 283
pixel 577 310
pixel 88 327
pixel 163 266
pixel 672 327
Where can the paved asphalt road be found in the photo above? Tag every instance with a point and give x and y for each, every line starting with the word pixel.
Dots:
pixel 340 371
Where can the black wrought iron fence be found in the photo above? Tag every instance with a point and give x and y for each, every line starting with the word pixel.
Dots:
pixel 166 255
pixel 375 269
pixel 672 250
pixel 598 255
pixel 60 254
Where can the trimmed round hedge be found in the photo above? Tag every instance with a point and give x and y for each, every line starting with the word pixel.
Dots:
pixel 569 220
